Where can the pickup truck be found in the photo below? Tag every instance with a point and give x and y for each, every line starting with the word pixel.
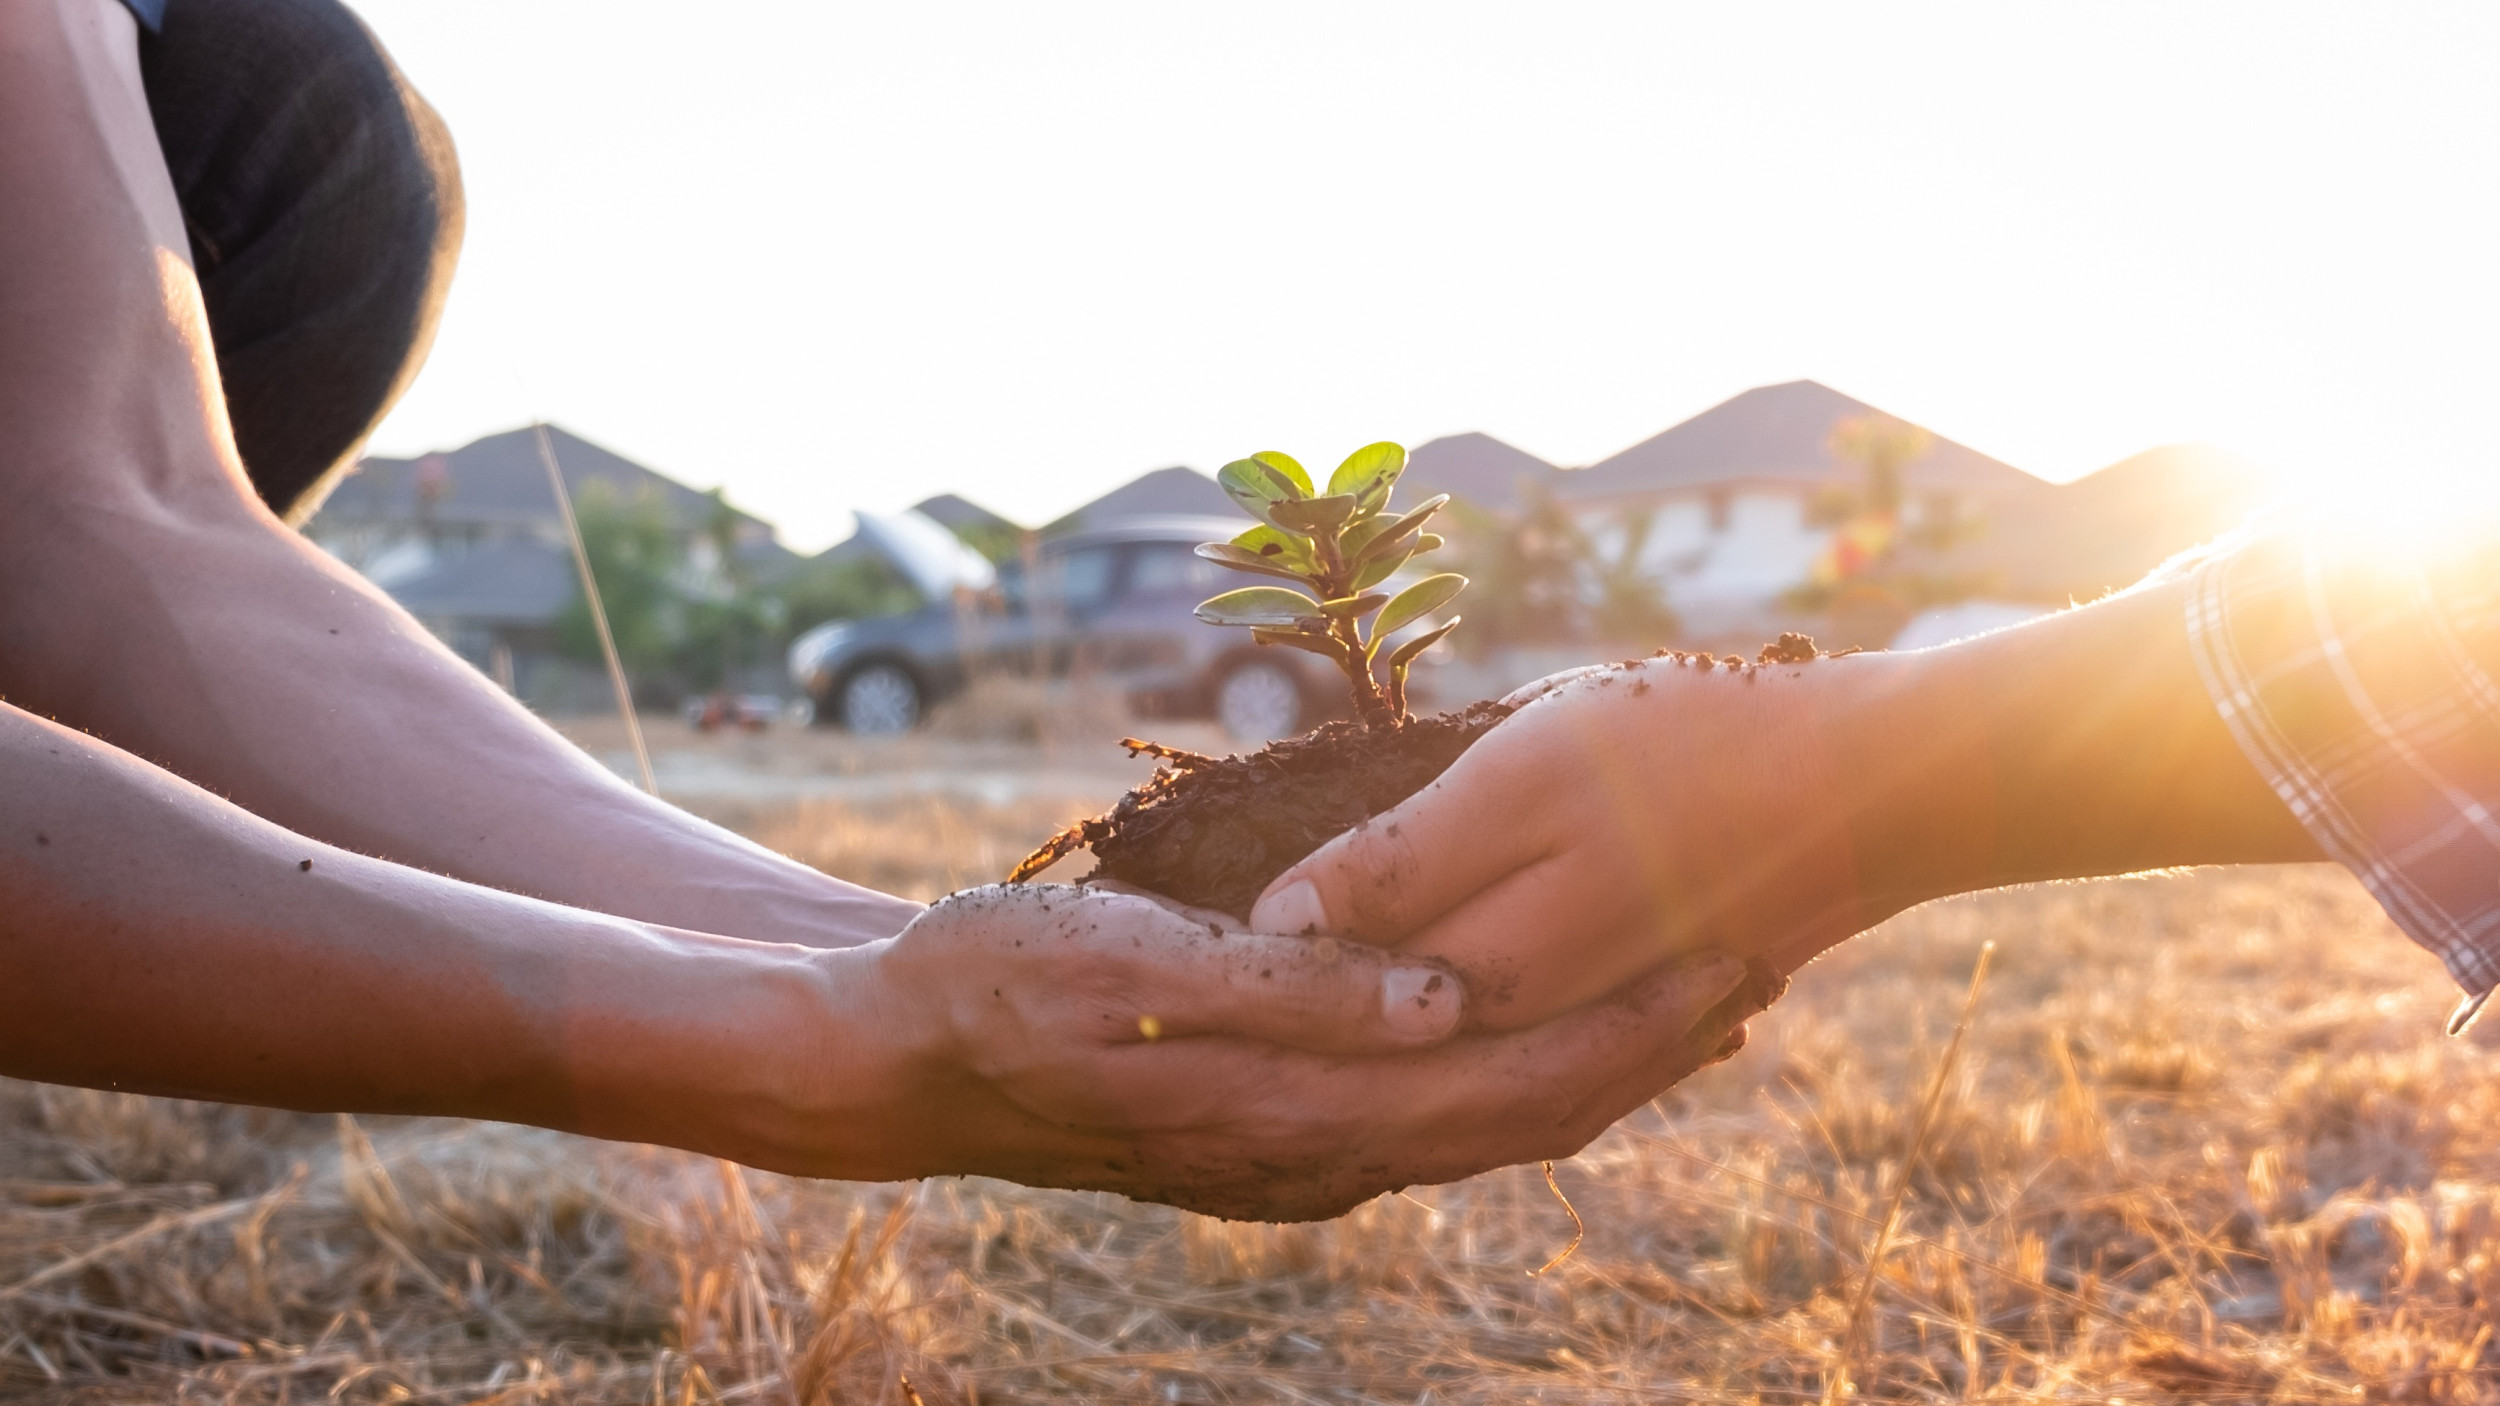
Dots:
pixel 1114 603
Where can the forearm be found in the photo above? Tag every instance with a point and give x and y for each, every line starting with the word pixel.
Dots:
pixel 222 646
pixel 2080 745
pixel 156 939
pixel 145 595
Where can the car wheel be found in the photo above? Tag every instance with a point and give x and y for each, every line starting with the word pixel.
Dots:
pixel 1257 701
pixel 880 700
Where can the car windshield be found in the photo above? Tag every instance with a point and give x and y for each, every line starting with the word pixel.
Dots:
pixel 1075 581
pixel 1173 569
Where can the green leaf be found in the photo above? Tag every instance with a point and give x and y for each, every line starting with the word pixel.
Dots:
pixel 1368 473
pixel 1313 515
pixel 1409 520
pixel 1281 547
pixel 1405 654
pixel 1411 604
pixel 1381 568
pixel 1257 487
pixel 1272 606
pixel 1285 464
pixel 1226 554
pixel 1326 646
pixel 1384 545
pixel 1430 542
pixel 1361 533
pixel 1354 607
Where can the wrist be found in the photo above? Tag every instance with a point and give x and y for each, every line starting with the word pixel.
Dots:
pixel 732 1048
pixel 2080 745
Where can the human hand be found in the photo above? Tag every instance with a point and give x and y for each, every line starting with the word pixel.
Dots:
pixel 1062 1037
pixel 1644 811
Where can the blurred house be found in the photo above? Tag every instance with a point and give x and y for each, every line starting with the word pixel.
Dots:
pixel 1475 469
pixel 968 520
pixel 2105 530
pixel 1720 510
pixel 1173 492
pixel 965 518
pixel 471 541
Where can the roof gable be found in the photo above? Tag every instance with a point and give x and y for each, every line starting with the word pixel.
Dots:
pixel 1172 492
pixel 516 582
pixel 499 480
pixel 955 511
pixel 1472 467
pixel 1776 433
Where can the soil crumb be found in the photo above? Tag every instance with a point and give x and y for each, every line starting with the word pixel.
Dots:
pixel 1211 832
pixel 1789 648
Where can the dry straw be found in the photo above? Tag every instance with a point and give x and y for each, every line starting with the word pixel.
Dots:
pixel 2209 1145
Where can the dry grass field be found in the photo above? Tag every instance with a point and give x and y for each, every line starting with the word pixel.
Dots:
pixel 2205 1143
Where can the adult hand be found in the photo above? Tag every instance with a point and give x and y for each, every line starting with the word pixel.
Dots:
pixel 1646 811
pixel 1074 1038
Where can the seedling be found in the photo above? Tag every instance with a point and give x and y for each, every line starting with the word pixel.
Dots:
pixel 1334 547
pixel 1213 831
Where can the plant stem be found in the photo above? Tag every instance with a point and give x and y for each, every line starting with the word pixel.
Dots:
pixel 1374 709
pixel 1336 580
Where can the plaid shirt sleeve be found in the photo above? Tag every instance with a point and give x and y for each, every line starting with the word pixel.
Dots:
pixel 2364 694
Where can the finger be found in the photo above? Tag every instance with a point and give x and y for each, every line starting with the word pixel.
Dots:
pixel 1538 941
pixel 1717 1036
pixel 1327 1135
pixel 1313 994
pixel 1493 1100
pixel 1526 694
pixel 1390 875
pixel 1202 916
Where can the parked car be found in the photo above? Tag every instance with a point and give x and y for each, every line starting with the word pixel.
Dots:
pixel 1114 603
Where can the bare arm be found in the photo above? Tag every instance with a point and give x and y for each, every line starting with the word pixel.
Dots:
pixel 1665 807
pixel 156 939
pixel 148 597
pixel 154 936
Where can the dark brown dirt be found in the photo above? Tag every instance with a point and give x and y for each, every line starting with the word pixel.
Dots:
pixel 1212 831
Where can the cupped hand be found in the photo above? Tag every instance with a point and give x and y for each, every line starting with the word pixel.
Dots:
pixel 1075 1038
pixel 1623 816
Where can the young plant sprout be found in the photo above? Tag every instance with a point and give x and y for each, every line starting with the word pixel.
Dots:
pixel 1334 547
pixel 1213 831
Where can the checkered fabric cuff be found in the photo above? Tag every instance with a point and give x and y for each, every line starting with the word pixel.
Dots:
pixel 2364 694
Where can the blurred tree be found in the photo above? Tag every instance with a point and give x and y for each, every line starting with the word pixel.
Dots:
pixel 843 590
pixel 1001 542
pixel 686 610
pixel 634 555
pixel 1880 560
pixel 1539 578
pixel 1630 604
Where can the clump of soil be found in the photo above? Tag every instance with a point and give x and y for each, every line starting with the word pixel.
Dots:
pixel 1213 831
pixel 1789 648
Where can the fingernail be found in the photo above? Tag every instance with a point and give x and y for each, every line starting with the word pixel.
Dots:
pixel 1768 982
pixel 1292 910
pixel 1420 1003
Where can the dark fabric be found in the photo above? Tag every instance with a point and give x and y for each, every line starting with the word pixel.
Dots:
pixel 151 13
pixel 324 207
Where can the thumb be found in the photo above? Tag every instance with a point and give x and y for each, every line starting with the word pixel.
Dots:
pixel 1387 877
pixel 1308 993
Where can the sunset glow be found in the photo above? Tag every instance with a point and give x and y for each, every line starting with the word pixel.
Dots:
pixel 853 255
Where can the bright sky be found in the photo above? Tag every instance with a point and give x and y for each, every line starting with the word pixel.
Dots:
pixel 837 255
